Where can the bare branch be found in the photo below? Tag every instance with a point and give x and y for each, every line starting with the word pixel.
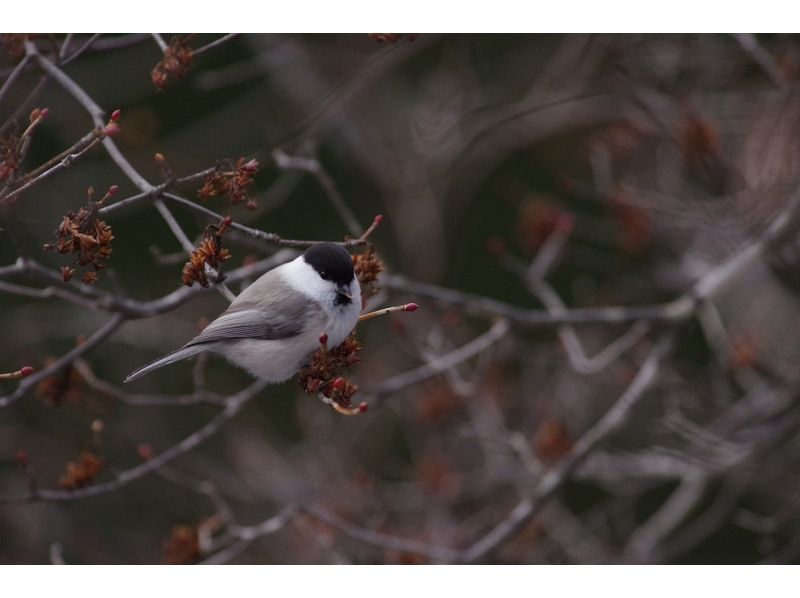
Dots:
pixel 552 481
pixel 233 405
pixel 63 361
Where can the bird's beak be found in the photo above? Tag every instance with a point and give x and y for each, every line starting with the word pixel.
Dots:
pixel 342 293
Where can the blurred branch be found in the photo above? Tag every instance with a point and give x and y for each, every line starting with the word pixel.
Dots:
pixel 216 43
pixel 13 76
pixel 129 398
pixel 442 363
pixel 233 405
pixel 62 362
pixel 761 57
pixel 315 168
pixel 551 482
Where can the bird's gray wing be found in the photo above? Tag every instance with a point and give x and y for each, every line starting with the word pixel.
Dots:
pixel 250 322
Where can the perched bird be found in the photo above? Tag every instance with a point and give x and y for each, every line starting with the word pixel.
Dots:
pixel 274 326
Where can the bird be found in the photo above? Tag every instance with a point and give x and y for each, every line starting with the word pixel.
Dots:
pixel 274 326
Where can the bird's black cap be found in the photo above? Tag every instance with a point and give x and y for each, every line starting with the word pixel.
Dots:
pixel 331 261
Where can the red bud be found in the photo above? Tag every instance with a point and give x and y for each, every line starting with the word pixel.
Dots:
pixel 339 384
pixel 26 371
pixel 250 167
pixel 111 129
pixel 112 190
pixel 410 307
pixel 44 112
pixel 565 222
pixel 362 407
pixel 323 339
pixel 115 116
pixel 145 451
pixel 378 219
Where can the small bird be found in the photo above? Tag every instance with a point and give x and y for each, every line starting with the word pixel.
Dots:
pixel 273 327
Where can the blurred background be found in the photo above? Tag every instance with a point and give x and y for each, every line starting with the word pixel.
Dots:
pixel 631 165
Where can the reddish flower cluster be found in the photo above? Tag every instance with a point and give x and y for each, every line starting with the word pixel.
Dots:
pixel 635 229
pixel 209 252
pixel 233 183
pixel 742 353
pixel 552 441
pixel 175 63
pixel 10 155
pixel 81 472
pixel 538 218
pixel 183 546
pixel 14 43
pixel 699 139
pixel 324 374
pixel 367 265
pixel 436 403
pixel 62 387
pixel 437 476
pixel 87 236
pixel 11 146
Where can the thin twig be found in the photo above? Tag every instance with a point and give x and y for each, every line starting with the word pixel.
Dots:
pixel 28 383
pixel 217 42
pixel 233 405
pixel 79 52
pixel 52 166
pixel 554 479
pixel 160 41
pixel 9 82
pixel 443 362
pixel 315 168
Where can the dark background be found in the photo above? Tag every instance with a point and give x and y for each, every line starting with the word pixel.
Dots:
pixel 655 144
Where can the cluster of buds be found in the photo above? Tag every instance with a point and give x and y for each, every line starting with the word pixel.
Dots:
pixel 65 386
pixel 552 441
pixel 10 156
pixel 367 266
pixel 175 63
pixel 14 43
pixel 187 543
pixel 87 236
pixel 234 183
pixel 436 403
pixel 323 376
pixel 742 353
pixel 182 547
pixel 12 147
pixel 82 471
pixel 209 254
pixel 88 465
pixel 699 139
pixel 635 231
pixel 538 219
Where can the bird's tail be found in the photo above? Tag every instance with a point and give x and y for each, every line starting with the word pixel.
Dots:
pixel 181 353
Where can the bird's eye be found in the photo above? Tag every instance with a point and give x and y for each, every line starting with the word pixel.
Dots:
pixel 323 274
